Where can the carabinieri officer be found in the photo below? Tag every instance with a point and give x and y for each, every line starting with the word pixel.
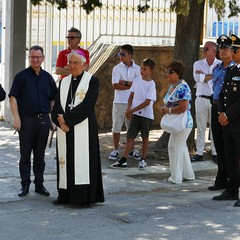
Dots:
pixel 229 118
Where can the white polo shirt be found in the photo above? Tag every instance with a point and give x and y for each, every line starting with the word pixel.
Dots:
pixel 123 72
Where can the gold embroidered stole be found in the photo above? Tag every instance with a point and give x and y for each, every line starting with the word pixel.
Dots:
pixel 81 137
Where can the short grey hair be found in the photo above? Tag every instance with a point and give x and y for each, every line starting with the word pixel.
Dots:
pixel 76 52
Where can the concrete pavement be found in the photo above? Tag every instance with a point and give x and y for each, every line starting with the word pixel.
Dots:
pixel 139 205
pixel 135 179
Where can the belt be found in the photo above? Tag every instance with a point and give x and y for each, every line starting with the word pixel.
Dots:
pixel 216 102
pixel 203 96
pixel 39 115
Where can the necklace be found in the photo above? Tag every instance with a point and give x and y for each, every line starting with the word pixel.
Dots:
pixel 71 105
pixel 173 85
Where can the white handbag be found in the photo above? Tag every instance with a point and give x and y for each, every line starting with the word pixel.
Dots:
pixel 174 123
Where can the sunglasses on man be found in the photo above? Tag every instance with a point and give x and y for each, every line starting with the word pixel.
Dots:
pixel 123 54
pixel 71 37
pixel 234 49
pixel 205 49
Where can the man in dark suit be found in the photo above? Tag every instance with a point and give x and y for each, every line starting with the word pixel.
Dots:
pixel 229 118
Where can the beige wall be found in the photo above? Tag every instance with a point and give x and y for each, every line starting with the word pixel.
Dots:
pixel 162 56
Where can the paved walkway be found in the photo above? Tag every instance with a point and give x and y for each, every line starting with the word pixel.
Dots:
pixel 139 205
pixel 154 177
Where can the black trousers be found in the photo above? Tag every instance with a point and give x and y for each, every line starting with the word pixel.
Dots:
pixel 232 154
pixel 222 175
pixel 33 139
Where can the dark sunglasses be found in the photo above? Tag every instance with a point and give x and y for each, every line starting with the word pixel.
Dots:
pixel 71 37
pixel 170 71
pixel 205 49
pixel 122 54
pixel 234 49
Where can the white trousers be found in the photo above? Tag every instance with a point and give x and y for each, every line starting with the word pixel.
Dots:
pixel 203 117
pixel 180 163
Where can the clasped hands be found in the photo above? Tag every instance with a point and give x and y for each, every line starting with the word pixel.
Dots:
pixel 62 123
pixel 223 119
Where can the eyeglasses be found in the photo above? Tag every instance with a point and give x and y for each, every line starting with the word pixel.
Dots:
pixel 35 57
pixel 205 49
pixel 123 54
pixel 170 71
pixel 234 49
pixel 71 37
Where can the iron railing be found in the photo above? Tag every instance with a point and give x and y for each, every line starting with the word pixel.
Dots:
pixel 117 22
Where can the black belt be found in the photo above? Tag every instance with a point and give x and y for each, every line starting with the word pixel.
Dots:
pixel 216 102
pixel 203 96
pixel 39 115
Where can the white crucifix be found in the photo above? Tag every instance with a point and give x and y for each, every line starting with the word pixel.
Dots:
pixel 71 105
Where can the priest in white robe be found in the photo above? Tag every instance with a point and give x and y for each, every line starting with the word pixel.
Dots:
pixel 79 176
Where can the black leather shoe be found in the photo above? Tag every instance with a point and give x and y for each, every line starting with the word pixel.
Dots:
pixel 226 196
pixel 197 158
pixel 59 202
pixel 215 158
pixel 24 191
pixel 237 203
pixel 216 187
pixel 42 190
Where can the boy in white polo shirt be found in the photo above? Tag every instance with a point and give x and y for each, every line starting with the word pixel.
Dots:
pixel 140 111
pixel 122 78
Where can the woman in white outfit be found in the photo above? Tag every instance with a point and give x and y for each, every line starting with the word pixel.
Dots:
pixel 176 101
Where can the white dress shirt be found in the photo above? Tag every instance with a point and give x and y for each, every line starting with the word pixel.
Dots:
pixel 202 65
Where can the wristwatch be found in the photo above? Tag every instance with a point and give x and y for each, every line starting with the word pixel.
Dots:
pixel 126 83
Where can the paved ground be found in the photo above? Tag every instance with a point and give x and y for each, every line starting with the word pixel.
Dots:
pixel 139 205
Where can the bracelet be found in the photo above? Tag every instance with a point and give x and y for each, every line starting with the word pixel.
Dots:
pixel 170 110
pixel 126 83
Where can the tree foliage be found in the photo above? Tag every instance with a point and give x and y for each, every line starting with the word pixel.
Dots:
pixel 181 7
pixel 88 5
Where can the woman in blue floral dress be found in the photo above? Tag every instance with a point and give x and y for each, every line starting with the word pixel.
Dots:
pixel 177 101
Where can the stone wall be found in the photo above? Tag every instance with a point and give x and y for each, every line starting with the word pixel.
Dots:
pixel 162 56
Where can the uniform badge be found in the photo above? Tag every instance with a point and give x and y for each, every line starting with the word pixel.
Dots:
pixel 233 38
pixel 223 38
pixel 236 78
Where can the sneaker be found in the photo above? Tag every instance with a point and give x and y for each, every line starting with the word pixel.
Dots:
pixel 114 155
pixel 135 155
pixel 118 165
pixel 142 165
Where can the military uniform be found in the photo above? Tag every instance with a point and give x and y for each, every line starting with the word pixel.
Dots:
pixel 224 42
pixel 229 106
pixel 229 102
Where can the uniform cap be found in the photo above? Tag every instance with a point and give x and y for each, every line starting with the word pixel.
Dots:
pixel 224 41
pixel 235 41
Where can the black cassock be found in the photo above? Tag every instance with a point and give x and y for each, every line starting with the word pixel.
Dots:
pixel 87 193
